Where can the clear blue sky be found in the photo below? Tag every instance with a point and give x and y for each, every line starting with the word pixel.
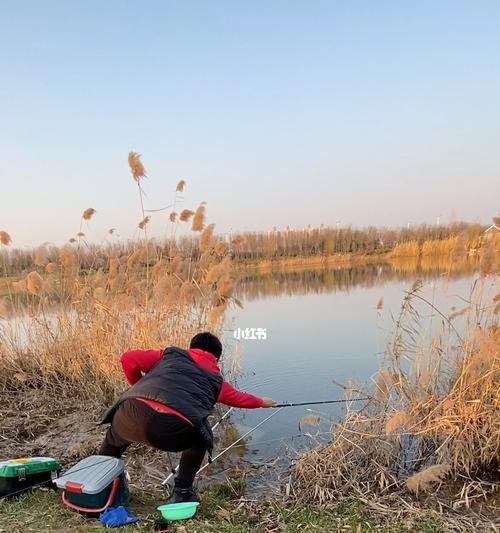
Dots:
pixel 275 112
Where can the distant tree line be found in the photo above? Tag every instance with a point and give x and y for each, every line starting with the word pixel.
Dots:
pixel 330 241
pixel 254 246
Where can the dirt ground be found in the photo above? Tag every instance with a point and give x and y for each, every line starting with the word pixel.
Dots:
pixel 68 432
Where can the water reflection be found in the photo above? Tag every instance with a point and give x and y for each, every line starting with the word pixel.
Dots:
pixel 325 325
pixel 254 285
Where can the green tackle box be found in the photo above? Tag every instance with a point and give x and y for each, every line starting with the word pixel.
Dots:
pixel 18 475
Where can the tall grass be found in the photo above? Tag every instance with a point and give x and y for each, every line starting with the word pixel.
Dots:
pixel 67 320
pixel 433 420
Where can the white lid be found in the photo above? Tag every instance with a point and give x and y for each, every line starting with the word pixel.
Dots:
pixel 93 473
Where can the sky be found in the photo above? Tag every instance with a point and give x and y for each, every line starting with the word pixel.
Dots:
pixel 275 113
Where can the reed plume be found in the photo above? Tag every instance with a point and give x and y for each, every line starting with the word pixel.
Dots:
pixel 425 479
pixel 397 421
pixel 185 215
pixel 51 268
pixel 187 292
pixel 114 264
pixel 180 186
pixel 136 166
pixel 213 274
pixel 41 256
pixel 221 248
pixel 67 257
pixel 88 213
pixel 199 218
pixel 206 237
pixel 225 286
pixel 5 238
pixel 173 216
pixel 34 283
pixel 144 222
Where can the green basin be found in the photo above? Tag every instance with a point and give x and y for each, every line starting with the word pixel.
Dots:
pixel 178 511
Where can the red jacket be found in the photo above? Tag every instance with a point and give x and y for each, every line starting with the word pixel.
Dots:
pixel 136 363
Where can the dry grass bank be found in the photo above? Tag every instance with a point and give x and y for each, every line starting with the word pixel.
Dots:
pixel 447 254
pixel 314 261
pixel 453 248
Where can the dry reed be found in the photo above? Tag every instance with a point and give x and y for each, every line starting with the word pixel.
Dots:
pixel 199 218
pixel 435 412
pixel 136 166
pixel 41 256
pixel 427 478
pixel 185 215
pixel 88 213
pixel 5 238
pixel 221 248
pixel 206 237
pixel 143 223
pixel 34 283
pixel 150 296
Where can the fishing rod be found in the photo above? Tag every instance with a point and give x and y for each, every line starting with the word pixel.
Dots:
pixel 320 403
pixel 174 471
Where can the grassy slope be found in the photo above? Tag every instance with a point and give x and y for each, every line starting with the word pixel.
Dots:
pixel 42 511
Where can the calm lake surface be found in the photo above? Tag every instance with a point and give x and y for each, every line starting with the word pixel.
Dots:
pixel 323 325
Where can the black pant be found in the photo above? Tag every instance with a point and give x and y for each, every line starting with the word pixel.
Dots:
pixel 135 421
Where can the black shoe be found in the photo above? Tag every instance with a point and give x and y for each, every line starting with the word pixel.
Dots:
pixel 185 495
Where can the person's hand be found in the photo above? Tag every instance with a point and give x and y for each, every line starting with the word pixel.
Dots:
pixel 268 402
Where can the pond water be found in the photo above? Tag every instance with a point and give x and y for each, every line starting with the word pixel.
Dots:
pixel 322 325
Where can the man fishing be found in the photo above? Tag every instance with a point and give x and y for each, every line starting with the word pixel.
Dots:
pixel 172 394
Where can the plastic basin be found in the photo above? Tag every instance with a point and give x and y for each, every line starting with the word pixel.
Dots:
pixel 178 511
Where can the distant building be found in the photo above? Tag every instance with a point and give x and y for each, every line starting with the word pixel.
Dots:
pixel 492 229
pixel 492 234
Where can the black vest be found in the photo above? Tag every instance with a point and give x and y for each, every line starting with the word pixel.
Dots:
pixel 177 382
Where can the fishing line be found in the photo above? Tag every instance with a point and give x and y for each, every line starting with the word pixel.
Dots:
pixel 241 438
pixel 215 426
